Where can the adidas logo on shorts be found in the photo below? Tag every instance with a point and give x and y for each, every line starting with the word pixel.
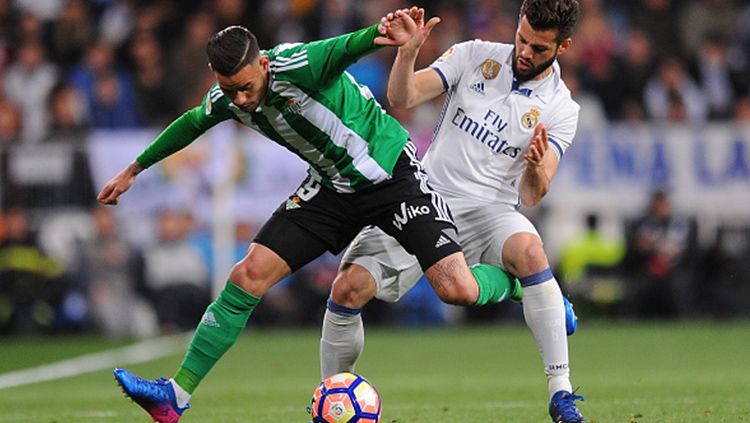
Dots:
pixel 443 240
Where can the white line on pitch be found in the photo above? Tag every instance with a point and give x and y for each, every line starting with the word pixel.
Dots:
pixel 138 353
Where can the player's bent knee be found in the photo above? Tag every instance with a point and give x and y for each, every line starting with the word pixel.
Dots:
pixel 250 278
pixel 461 297
pixel 523 253
pixel 353 287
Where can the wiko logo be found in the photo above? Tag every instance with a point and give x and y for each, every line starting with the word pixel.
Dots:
pixel 408 213
pixel 478 87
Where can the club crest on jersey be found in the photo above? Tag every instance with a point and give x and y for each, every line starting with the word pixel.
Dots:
pixel 447 53
pixel 530 118
pixel 490 69
pixel 291 106
pixel 209 106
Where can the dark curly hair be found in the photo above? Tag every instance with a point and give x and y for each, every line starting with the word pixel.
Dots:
pixel 561 15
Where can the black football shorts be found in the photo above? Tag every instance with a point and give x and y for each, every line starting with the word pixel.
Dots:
pixel 316 219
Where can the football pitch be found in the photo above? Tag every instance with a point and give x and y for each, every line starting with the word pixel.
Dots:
pixel 629 373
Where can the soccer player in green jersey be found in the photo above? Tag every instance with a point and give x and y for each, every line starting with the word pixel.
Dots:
pixel 363 171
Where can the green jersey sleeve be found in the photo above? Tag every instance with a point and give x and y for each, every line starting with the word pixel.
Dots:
pixel 317 63
pixel 187 128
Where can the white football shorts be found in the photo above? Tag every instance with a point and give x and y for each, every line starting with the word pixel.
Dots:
pixel 482 232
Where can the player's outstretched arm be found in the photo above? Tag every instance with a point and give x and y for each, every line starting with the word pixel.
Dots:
pixel 541 166
pixel 407 88
pixel 116 186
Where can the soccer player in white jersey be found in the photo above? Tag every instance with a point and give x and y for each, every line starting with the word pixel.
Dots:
pixel 507 121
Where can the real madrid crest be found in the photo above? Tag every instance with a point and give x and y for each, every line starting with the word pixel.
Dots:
pixel 530 118
pixel 490 69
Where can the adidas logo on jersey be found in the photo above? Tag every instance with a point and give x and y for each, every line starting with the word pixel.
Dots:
pixel 478 87
pixel 210 320
pixel 443 240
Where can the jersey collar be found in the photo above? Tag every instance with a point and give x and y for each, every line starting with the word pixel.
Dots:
pixel 543 90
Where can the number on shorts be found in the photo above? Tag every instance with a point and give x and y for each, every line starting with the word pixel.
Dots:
pixel 307 192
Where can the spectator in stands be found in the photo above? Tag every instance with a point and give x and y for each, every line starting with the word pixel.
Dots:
pixel 657 18
pixel 10 120
pixel 589 267
pixel 661 248
pixel 30 282
pixel 155 100
pixel 703 18
pixel 189 75
pixel 176 277
pixel 632 69
pixel 716 77
pixel 742 110
pixel 70 113
pixel 672 95
pixel 112 271
pixel 28 83
pixel 107 88
pixel 72 32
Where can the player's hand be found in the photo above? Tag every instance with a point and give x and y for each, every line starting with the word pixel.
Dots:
pixel 534 156
pixel 405 28
pixel 119 184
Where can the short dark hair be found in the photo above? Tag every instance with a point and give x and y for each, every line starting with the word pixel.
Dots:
pixel 230 49
pixel 561 15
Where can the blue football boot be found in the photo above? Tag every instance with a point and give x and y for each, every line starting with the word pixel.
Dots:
pixel 571 320
pixel 562 408
pixel 156 397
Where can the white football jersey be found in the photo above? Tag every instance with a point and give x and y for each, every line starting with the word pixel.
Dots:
pixel 488 121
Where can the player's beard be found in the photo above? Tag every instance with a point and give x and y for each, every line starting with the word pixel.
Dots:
pixel 533 72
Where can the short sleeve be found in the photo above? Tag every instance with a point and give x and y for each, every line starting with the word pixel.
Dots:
pixel 451 64
pixel 562 128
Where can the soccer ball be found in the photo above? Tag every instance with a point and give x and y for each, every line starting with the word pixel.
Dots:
pixel 345 398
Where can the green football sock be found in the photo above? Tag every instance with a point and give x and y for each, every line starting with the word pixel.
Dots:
pixel 222 324
pixel 495 284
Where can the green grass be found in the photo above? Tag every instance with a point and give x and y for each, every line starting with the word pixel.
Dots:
pixel 629 373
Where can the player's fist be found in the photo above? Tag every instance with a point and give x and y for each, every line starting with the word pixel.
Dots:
pixel 116 186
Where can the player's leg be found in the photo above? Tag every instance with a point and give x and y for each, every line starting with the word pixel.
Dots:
pixel 373 264
pixel 420 220
pixel 545 314
pixel 226 317
pixel 221 325
pixel 343 335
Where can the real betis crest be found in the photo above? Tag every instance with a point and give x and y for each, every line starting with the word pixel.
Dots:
pixel 490 69
pixel 292 203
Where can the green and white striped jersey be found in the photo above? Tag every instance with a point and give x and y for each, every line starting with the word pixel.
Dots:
pixel 315 109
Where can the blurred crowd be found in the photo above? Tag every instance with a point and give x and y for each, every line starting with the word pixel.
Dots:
pixel 68 67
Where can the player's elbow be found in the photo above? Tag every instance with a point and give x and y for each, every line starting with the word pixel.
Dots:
pixel 397 100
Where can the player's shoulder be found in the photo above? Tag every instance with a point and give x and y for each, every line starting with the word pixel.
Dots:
pixel 215 102
pixel 562 96
pixel 482 49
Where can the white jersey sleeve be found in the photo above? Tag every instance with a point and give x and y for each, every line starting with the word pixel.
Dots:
pixel 449 64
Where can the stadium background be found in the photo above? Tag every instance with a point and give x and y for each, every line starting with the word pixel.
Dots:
pixel 647 219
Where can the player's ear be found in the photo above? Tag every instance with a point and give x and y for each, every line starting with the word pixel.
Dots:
pixel 210 67
pixel 264 61
pixel 564 45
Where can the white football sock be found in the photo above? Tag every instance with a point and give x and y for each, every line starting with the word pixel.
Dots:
pixel 181 395
pixel 341 343
pixel 544 312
